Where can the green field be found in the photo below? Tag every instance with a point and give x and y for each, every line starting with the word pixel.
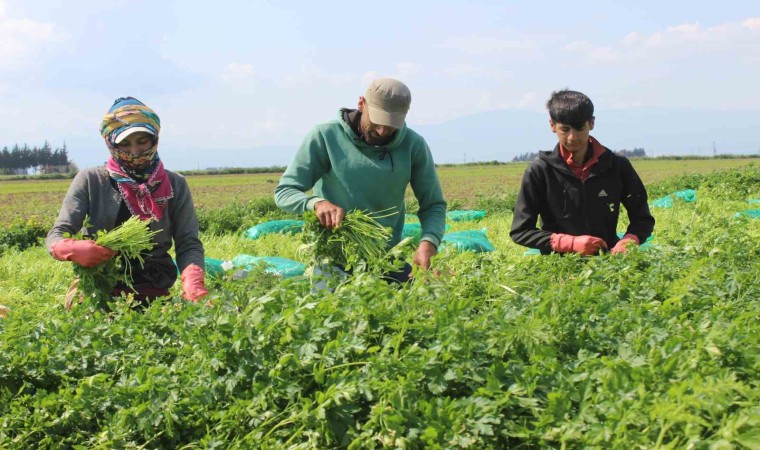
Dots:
pixel 465 185
pixel 655 349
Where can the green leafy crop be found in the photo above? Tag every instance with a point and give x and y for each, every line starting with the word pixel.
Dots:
pixel 130 240
pixel 359 240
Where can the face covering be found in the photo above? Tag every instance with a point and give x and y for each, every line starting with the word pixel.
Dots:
pixel 142 181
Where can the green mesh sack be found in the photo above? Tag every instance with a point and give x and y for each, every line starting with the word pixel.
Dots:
pixel 214 267
pixel 464 215
pixel 663 202
pixel 751 213
pixel 686 195
pixel 414 231
pixel 274 227
pixel 277 265
pixel 620 235
pixel 467 241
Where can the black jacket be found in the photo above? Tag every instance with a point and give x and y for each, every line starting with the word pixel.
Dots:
pixel 564 204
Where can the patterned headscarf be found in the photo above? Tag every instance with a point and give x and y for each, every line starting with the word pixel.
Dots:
pixel 142 180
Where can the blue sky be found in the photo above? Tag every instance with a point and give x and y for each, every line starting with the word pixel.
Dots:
pixel 251 77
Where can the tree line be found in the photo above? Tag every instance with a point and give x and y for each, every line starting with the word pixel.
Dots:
pixel 635 153
pixel 41 159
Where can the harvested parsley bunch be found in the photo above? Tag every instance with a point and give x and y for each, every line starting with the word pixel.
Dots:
pixel 360 239
pixel 130 240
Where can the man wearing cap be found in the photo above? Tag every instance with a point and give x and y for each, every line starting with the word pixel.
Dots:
pixel 364 160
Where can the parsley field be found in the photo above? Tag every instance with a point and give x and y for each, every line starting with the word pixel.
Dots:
pixel 656 349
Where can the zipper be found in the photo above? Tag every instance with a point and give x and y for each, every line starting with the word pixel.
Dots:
pixel 585 205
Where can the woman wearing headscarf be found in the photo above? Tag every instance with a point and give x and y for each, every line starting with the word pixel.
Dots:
pixel 133 183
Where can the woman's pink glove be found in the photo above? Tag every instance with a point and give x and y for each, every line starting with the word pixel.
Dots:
pixel 193 286
pixel 84 252
pixel 585 245
pixel 620 247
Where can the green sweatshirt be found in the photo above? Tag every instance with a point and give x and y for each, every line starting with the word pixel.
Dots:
pixel 340 167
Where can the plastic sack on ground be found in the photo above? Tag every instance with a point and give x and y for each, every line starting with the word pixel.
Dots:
pixel 467 241
pixel 414 231
pixel 753 201
pixel 620 235
pixel 286 226
pixel 276 265
pixel 687 195
pixel 463 215
pixel 214 267
pixel 646 245
pixel 751 213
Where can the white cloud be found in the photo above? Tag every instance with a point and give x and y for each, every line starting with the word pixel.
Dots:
pixel 687 28
pixel 237 71
pixel 526 100
pixel 19 38
pixel 310 75
pixel 269 126
pixel 579 46
pixel 632 38
pixel 603 54
pixel 517 49
pixel 729 41
pixel 752 23
pixel 368 76
pixel 471 71
pixel 407 70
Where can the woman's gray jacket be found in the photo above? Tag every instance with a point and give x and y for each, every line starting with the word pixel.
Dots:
pixel 93 194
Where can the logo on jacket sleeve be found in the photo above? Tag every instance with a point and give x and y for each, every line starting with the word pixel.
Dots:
pixel 602 193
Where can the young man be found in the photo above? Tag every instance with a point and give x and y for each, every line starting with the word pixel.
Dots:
pixel 576 189
pixel 364 160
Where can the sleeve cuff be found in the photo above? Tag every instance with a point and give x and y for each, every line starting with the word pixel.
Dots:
pixel 632 237
pixel 432 239
pixel 312 202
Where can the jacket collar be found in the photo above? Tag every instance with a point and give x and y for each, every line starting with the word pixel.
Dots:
pixel 346 117
pixel 554 159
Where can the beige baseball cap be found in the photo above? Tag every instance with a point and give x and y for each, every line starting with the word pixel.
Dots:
pixel 388 102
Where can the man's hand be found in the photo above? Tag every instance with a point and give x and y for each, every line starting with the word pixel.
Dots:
pixel 585 245
pixel 329 215
pixel 621 246
pixel 425 251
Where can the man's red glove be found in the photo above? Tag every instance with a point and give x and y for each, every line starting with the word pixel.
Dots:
pixel 620 247
pixel 585 245
pixel 193 286
pixel 85 252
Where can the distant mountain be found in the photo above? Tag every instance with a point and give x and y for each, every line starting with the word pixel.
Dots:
pixel 502 135
pixel 199 159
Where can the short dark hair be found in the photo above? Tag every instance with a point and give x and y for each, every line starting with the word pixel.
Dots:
pixel 570 107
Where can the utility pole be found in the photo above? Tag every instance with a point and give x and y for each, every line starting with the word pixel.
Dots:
pixel 714 150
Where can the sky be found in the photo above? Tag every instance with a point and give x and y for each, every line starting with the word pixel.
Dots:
pixel 239 83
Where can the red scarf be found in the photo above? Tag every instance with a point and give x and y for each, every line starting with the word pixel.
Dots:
pixel 146 200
